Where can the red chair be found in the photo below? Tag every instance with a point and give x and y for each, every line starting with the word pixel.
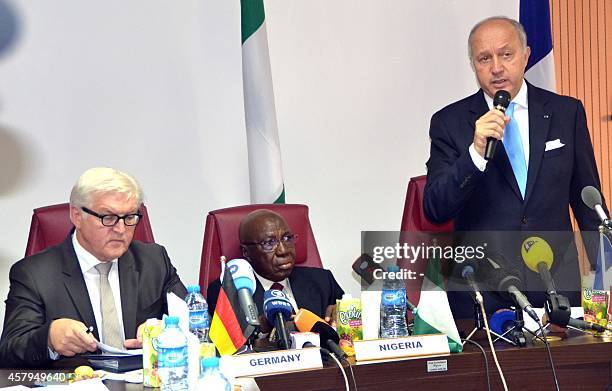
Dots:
pixel 416 230
pixel 51 224
pixel 414 219
pixel 221 237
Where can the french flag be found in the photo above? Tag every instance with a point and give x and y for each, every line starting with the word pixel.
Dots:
pixel 534 15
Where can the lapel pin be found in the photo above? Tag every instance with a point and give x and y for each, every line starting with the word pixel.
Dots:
pixel 546 116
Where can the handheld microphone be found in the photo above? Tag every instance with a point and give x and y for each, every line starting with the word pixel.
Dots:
pixel 277 308
pixel 592 198
pixel 501 101
pixel 538 256
pixel 307 321
pixel 244 280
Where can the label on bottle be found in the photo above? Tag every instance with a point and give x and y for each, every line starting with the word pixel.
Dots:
pixel 172 357
pixel 393 298
pixel 198 319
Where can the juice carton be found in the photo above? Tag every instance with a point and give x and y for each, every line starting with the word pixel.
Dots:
pixel 594 303
pixel 152 329
pixel 348 311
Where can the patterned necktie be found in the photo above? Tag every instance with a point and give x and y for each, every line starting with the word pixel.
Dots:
pixel 110 321
pixel 514 148
pixel 277 286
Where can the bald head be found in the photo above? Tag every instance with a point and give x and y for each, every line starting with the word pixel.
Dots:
pixel 267 243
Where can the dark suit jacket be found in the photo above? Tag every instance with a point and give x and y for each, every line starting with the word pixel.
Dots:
pixel 50 285
pixel 491 200
pixel 313 289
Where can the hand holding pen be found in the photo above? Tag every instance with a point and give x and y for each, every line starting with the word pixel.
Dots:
pixel 69 337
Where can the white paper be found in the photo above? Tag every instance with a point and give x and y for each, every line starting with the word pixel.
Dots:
pixel 370 313
pixel 178 307
pixel 530 324
pixel 107 349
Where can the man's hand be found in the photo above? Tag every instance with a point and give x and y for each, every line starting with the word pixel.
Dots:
pixel 69 337
pixel 330 315
pixel 491 124
pixel 135 343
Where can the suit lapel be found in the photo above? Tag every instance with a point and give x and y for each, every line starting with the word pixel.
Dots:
pixel 478 108
pixel 75 285
pixel 302 291
pixel 539 125
pixel 128 285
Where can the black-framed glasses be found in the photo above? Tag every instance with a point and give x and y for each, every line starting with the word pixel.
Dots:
pixel 111 220
pixel 269 245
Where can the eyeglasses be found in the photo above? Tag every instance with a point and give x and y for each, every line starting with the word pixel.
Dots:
pixel 112 220
pixel 269 245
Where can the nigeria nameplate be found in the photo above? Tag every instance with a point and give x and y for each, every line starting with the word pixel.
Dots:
pixel 406 347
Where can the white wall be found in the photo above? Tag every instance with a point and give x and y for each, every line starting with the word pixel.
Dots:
pixel 154 87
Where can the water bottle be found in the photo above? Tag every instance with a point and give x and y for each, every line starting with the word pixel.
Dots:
pixel 198 313
pixel 172 357
pixel 393 307
pixel 212 378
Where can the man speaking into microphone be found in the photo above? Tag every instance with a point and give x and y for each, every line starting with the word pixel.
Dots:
pixel 542 159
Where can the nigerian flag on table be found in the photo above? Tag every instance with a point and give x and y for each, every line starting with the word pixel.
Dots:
pixel 433 314
pixel 265 168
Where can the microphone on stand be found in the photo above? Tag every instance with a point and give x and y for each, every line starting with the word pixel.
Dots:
pixel 244 280
pixel 501 101
pixel 277 308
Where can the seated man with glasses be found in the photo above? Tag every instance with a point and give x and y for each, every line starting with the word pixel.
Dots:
pixel 269 245
pixel 98 283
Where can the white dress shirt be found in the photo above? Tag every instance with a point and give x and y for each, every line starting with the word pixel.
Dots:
pixel 88 263
pixel 521 116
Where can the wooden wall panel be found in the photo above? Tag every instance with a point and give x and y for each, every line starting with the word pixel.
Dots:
pixel 582 42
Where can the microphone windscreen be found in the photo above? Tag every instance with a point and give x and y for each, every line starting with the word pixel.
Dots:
pixel 591 196
pixel 536 250
pixel 242 274
pixel 308 321
pixel 275 302
pixel 501 99
pixel 502 320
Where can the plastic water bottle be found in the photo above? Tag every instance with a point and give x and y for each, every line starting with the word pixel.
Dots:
pixel 172 363
pixel 198 313
pixel 393 307
pixel 212 378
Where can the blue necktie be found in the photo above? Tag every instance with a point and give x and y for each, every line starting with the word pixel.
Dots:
pixel 514 149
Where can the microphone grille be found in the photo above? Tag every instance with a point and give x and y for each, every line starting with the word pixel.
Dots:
pixel 591 196
pixel 501 98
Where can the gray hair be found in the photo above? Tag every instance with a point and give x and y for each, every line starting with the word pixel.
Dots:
pixel 520 31
pixel 101 180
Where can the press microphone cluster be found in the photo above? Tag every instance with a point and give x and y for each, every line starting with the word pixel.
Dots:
pixel 501 101
pixel 278 309
pixel 538 256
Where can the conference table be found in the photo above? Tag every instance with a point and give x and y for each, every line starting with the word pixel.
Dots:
pixel 582 362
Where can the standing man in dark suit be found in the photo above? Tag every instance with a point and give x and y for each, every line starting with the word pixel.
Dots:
pixel 543 159
pixel 269 246
pixel 97 277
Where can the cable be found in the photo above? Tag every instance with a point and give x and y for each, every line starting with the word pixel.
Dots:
pixel 484 316
pixel 484 354
pixel 552 365
pixel 351 369
pixel 341 370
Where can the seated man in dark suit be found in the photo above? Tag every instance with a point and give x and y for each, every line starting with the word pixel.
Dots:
pixel 96 278
pixel 269 245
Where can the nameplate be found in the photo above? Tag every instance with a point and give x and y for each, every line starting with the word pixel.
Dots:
pixel 271 362
pixel 406 347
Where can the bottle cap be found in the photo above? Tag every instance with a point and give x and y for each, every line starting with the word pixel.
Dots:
pixel 171 320
pixel 210 362
pixel 347 296
pixel 193 288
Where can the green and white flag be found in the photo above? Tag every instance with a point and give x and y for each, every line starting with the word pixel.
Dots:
pixel 265 166
pixel 433 314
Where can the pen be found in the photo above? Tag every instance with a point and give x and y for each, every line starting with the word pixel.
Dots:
pixel 89 330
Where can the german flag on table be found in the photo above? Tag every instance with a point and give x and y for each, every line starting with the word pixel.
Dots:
pixel 229 329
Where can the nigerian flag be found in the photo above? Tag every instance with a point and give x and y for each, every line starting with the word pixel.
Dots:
pixel 433 314
pixel 265 169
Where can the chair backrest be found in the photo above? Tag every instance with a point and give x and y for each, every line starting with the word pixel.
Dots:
pixel 221 237
pixel 51 224
pixel 414 219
